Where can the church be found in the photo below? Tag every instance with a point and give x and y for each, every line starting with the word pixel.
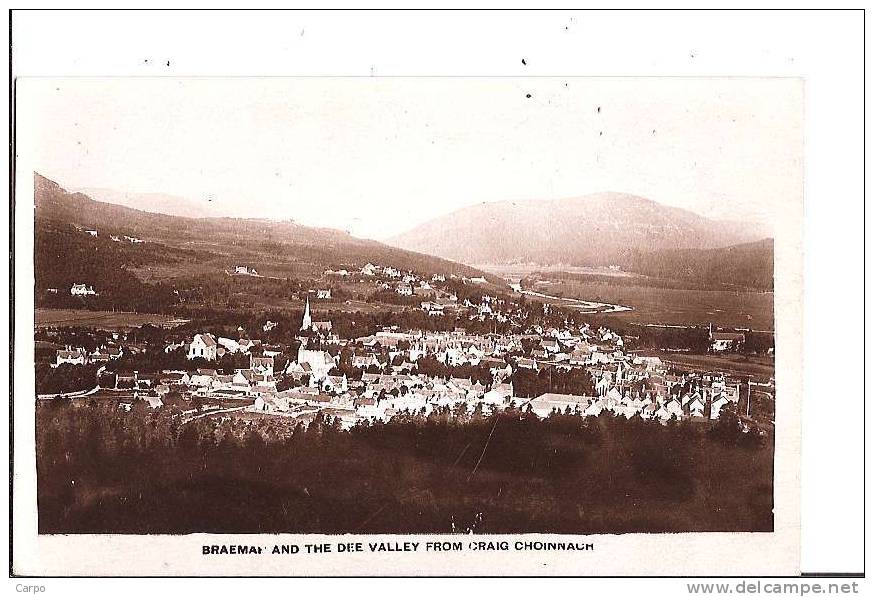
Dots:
pixel 319 362
pixel 308 324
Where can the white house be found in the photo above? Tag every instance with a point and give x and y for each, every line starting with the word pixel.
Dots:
pixel 82 290
pixel 662 413
pixel 320 362
pixel 696 407
pixel 203 346
pixel 365 361
pixel 107 353
pixel 717 405
pixel 229 345
pixel 432 308
pixel 674 408
pixel 544 404
pixel 203 378
pixel 153 401
pixel 335 384
pixel 75 356
pixel 323 327
pixel 261 365
pixel 722 341
pixel 499 394
pixel 650 363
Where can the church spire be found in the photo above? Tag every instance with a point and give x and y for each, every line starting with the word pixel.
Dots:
pixel 307 322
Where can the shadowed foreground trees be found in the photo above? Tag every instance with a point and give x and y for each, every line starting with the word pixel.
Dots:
pixel 65 378
pixel 101 470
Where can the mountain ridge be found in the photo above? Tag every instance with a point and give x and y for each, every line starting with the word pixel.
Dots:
pixel 158 203
pixel 596 229
pixel 129 253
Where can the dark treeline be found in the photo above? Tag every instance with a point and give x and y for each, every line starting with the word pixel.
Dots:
pixel 346 324
pixel 65 378
pixel 101 470
pixel 78 336
pixel 64 256
pixel 430 366
pixel 528 383
pixel 390 297
pixel 635 281
pixel 694 339
pixel 748 265
pixel 177 360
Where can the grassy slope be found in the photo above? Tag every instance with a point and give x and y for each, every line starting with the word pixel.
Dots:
pixel 180 247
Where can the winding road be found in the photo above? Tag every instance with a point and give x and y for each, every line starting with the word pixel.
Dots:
pixel 585 306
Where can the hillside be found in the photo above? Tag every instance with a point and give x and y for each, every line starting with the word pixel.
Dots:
pixel 137 259
pixel 600 229
pixel 749 265
pixel 156 203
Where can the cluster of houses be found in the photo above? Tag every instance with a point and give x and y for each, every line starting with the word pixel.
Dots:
pixel 625 385
pixel 114 238
pixel 300 383
pixel 409 284
pixel 80 356
pixel 125 238
pixel 244 270
pixel 725 341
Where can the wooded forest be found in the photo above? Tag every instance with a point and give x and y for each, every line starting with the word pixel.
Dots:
pixel 102 470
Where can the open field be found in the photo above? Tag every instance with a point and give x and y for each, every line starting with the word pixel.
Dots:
pixel 584 306
pixel 723 308
pixel 158 272
pixel 759 368
pixel 515 272
pixel 108 320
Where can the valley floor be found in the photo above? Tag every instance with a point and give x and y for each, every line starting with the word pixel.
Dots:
pixel 101 319
pixel 668 306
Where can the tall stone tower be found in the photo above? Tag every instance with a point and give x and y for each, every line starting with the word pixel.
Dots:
pixel 307 322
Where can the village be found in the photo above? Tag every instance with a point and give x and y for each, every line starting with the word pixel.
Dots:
pixel 299 309
pixel 544 369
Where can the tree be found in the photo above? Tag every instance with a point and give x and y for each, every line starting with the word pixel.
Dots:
pixel 728 429
pixel 139 407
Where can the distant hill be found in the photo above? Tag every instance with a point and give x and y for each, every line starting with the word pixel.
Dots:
pixel 157 203
pixel 599 229
pixel 166 247
pixel 749 265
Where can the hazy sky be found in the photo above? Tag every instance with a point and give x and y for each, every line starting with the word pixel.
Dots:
pixel 377 156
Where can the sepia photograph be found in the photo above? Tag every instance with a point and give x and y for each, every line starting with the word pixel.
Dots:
pixel 353 306
pixel 282 309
